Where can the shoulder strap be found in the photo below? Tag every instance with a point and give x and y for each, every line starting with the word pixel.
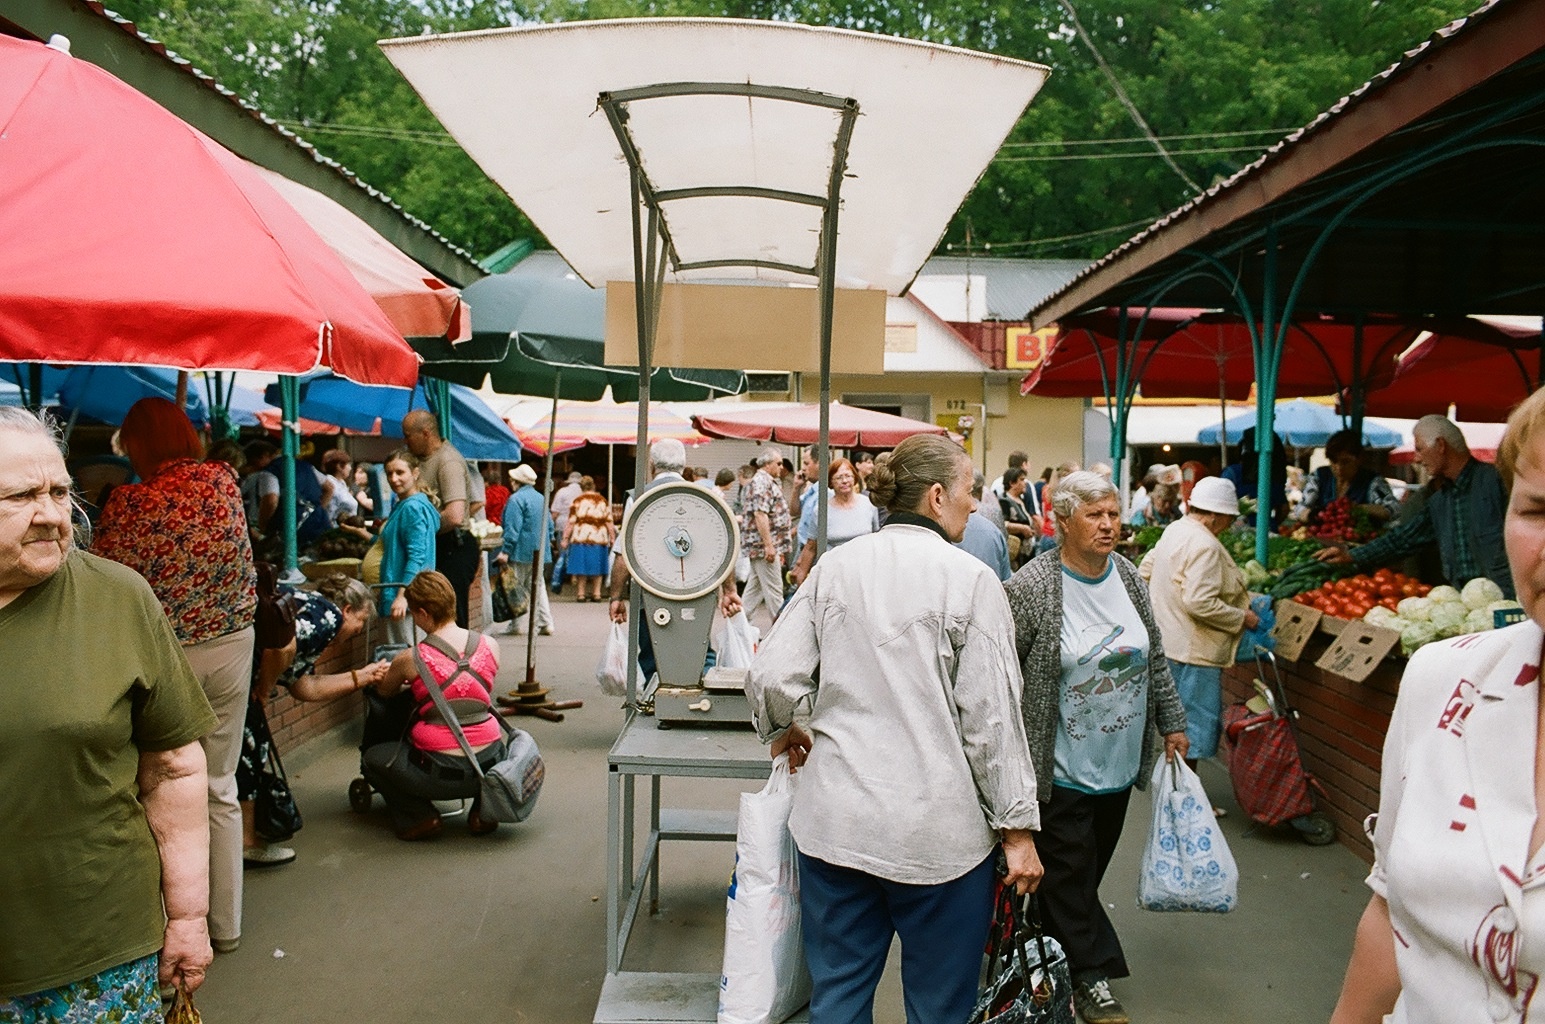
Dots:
pixel 443 706
pixel 470 711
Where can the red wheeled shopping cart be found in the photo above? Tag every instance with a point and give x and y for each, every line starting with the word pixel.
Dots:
pixel 1266 766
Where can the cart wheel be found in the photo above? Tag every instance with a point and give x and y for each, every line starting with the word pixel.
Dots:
pixel 359 796
pixel 1315 829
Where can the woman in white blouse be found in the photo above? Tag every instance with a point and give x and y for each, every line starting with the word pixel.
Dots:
pixel 1455 931
pixel 915 761
pixel 849 514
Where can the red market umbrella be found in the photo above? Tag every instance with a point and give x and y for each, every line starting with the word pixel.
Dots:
pixel 1194 353
pixel 418 303
pixel 582 423
pixel 134 238
pixel 851 426
pixel 1482 368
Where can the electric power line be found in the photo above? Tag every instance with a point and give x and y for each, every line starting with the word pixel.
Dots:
pixel 1133 155
pixel 1140 138
pixel 1126 101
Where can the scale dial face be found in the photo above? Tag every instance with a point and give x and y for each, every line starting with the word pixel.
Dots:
pixel 680 540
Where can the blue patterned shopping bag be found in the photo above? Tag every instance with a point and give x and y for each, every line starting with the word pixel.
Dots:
pixel 1187 864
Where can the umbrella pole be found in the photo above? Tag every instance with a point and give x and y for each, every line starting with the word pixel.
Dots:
pixel 289 400
pixel 34 396
pixel 182 389
pixel 1222 424
pixel 530 697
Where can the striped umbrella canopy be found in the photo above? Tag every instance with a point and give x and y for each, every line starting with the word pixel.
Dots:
pixel 582 423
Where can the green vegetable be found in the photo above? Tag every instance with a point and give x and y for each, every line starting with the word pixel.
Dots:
pixel 1307 575
pixel 1480 592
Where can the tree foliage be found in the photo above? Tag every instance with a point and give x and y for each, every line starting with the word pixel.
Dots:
pixel 1216 80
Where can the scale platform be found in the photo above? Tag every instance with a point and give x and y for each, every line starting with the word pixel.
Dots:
pixel 719 700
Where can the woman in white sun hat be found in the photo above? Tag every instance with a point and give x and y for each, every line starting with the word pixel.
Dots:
pixel 1202 606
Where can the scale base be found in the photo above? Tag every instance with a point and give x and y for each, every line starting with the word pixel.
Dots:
pixel 693 705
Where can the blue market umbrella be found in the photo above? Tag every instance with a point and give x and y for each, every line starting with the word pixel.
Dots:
pixel 476 430
pixel 100 391
pixel 1302 425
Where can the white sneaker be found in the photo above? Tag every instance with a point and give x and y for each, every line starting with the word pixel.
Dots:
pixel 545 631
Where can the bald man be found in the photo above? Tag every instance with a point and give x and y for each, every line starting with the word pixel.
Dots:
pixel 443 473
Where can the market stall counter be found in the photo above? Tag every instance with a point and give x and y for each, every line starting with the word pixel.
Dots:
pixel 1341 725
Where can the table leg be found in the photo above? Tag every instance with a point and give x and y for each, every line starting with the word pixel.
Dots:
pixel 654 831
pixel 614 873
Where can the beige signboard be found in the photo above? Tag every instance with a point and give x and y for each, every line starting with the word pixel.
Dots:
pixel 749 327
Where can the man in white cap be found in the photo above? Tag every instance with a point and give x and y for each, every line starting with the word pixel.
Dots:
pixel 526 527
pixel 1201 605
pixel 764 533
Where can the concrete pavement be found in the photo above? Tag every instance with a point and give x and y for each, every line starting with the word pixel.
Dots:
pixel 510 928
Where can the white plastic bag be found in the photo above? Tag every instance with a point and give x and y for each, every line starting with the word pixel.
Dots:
pixel 765 978
pixel 1187 864
pixel 737 642
pixel 612 671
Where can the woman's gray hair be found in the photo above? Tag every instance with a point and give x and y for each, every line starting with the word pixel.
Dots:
pixel 25 421
pixel 1076 490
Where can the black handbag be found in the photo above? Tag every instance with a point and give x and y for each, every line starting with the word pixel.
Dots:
pixel 501 601
pixel 1028 981
pixel 275 816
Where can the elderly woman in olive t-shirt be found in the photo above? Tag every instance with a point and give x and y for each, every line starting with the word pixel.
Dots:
pixel 109 761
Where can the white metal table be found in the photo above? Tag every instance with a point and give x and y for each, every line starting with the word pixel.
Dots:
pixel 644 749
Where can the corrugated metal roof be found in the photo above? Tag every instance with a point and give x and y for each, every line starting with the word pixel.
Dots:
pixel 1014 286
pixel 1247 177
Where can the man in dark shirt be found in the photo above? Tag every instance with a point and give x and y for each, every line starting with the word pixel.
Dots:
pixel 1463 516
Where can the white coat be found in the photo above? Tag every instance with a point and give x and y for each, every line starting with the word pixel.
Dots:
pixel 1451 842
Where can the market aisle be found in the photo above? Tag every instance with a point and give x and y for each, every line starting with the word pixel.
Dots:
pixel 511 927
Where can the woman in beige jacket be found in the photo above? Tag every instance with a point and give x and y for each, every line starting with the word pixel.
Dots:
pixel 1201 605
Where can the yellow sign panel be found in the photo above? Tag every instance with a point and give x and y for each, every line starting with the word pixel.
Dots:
pixel 1027 349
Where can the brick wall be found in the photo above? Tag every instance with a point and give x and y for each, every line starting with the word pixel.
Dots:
pixel 1341 729
pixel 294 722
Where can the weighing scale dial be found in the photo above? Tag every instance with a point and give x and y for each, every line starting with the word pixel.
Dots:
pixel 680 541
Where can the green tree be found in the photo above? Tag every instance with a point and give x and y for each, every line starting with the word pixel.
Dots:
pixel 1218 82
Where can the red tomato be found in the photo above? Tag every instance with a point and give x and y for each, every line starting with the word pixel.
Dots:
pixel 1422 590
pixel 1384 575
pixel 1410 589
pixel 1391 602
pixel 1389 590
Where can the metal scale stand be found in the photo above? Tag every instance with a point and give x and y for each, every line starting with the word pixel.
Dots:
pixel 680 541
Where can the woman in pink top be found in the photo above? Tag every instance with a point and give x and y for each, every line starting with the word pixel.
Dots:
pixel 428 764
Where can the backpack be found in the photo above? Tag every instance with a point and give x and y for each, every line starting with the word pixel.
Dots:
pixel 509 787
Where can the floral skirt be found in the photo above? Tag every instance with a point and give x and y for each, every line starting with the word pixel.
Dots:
pixel 126 994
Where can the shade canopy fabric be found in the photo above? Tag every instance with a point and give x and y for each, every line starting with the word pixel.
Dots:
pixel 931 117
pixel 1483 368
pixel 1301 425
pixel 99 391
pixel 476 431
pixel 132 237
pixel 582 423
pixel 851 426
pixel 1196 353
pixel 557 325
pixel 418 303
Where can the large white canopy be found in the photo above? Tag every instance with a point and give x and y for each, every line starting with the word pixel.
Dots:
pixel 523 103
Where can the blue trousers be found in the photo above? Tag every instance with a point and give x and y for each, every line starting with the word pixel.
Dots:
pixel 849 918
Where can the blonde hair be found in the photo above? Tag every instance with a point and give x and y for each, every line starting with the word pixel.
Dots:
pixel 1522 428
